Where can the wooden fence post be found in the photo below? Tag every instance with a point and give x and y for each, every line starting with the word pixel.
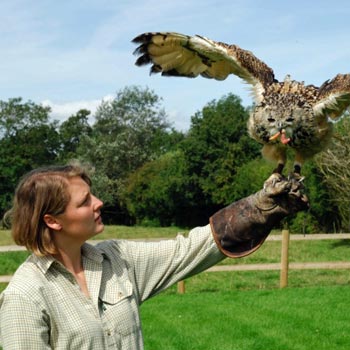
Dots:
pixel 284 259
pixel 181 287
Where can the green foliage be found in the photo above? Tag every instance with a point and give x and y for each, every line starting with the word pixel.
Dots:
pixel 157 191
pixel 129 131
pixel 125 132
pixel 147 172
pixel 249 178
pixel 186 186
pixel 218 164
pixel 216 147
pixel 322 215
pixel 71 131
pixel 305 223
pixel 27 140
pixel 334 164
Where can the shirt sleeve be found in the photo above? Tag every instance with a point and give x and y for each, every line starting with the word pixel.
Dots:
pixel 157 265
pixel 22 324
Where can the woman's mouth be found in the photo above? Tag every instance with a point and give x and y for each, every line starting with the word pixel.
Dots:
pixel 99 219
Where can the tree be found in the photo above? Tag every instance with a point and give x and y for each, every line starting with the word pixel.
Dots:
pixel 334 163
pixel 126 131
pixel 186 186
pixel 71 133
pixel 216 146
pixel 16 116
pixel 27 140
pixel 129 131
pixel 156 192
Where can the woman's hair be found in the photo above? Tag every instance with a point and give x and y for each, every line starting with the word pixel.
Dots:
pixel 42 191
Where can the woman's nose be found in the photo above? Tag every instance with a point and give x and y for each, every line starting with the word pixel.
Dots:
pixel 98 204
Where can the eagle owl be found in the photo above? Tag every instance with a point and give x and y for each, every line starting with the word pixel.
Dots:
pixel 286 114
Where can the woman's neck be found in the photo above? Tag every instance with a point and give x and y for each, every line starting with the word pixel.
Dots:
pixel 71 263
pixel 70 257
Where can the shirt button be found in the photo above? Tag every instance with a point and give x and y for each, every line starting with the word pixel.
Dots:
pixel 120 294
pixel 109 333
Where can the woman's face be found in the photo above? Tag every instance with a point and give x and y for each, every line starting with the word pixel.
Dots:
pixel 82 217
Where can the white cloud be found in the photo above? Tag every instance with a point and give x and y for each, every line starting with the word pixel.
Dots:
pixel 62 111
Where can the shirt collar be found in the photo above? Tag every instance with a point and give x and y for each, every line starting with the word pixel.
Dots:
pixel 43 262
pixel 88 251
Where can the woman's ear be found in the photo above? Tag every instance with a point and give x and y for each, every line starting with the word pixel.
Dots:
pixel 52 222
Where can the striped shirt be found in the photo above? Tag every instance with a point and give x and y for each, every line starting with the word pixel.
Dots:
pixel 43 307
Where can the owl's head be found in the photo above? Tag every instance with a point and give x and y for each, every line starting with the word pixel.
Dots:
pixel 279 118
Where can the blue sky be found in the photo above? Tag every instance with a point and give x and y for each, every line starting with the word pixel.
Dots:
pixel 72 54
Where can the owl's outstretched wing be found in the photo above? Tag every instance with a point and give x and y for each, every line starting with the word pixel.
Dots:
pixel 334 97
pixel 174 54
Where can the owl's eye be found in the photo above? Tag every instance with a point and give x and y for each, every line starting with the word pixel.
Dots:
pixel 290 119
pixel 271 120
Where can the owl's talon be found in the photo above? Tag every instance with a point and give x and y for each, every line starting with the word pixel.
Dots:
pixel 279 169
pixel 297 169
pixel 301 178
pixel 297 177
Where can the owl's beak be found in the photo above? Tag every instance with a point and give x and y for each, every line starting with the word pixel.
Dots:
pixel 275 137
pixel 281 133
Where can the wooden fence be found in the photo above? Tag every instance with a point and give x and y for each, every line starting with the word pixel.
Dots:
pixel 284 266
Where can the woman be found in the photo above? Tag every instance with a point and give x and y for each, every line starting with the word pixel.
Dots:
pixel 72 295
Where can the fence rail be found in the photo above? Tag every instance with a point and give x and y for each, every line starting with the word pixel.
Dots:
pixel 284 266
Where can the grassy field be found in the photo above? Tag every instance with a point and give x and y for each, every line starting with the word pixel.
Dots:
pixel 300 251
pixel 284 319
pixel 313 318
pixel 113 232
pixel 244 309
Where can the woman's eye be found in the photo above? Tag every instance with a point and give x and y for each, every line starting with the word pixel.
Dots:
pixel 86 201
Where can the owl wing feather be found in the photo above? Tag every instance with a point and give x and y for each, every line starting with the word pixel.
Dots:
pixel 334 97
pixel 174 54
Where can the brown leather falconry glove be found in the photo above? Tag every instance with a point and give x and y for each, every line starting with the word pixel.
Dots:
pixel 242 227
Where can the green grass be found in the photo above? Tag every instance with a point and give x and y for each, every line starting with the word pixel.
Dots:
pixel 283 319
pixel 255 280
pixel 10 261
pixel 300 251
pixel 313 318
pixel 113 232
pixel 243 309
pixel 5 237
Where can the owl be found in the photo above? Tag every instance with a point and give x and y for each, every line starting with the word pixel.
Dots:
pixel 286 114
